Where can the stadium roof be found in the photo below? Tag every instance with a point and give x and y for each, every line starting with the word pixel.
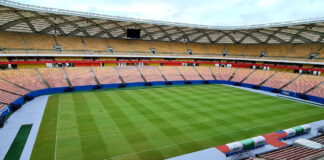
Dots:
pixel 18 17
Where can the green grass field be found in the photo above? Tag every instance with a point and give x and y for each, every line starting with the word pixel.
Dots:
pixel 159 123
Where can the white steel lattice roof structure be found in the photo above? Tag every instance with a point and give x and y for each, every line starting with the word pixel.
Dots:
pixel 18 17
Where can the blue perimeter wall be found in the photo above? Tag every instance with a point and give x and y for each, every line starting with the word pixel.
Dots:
pixel 5 111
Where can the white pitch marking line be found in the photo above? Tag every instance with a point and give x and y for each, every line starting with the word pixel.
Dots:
pixel 57 126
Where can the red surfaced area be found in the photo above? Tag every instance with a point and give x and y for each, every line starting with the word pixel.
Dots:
pixel 223 148
pixel 273 139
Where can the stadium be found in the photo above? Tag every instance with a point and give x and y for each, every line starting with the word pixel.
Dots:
pixel 79 85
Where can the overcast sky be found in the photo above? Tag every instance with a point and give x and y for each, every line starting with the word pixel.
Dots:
pixel 206 12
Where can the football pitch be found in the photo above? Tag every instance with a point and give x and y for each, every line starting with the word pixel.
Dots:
pixel 155 123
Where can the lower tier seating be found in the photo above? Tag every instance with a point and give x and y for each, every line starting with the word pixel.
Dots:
pixel 205 72
pixel 151 74
pixel 319 139
pixel 189 73
pixel 130 74
pixel 7 98
pixel 26 78
pixel 291 153
pixel 17 83
pixel 223 73
pixel 241 74
pixel 171 73
pixel 304 83
pixel 106 75
pixel 80 76
pixel 279 80
pixel 54 77
pixel 11 88
pixel 258 77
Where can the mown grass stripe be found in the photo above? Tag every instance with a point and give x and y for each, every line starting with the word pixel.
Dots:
pixel 136 139
pixel 169 130
pixel 44 147
pixel 19 142
pixel 92 147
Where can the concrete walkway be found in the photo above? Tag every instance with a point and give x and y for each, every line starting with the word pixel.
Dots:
pixel 29 113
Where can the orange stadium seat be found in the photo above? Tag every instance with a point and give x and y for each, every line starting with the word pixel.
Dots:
pixel 160 47
pixel 26 78
pixel 10 40
pixel 7 98
pixel 303 50
pixel 70 43
pixel 177 47
pixel 235 49
pixel 80 76
pixel 222 73
pixel 54 77
pixel 96 44
pixel 106 75
pixel 241 74
pixel 130 74
pixel 318 92
pixel 119 45
pixel 189 73
pixel 41 42
pixel 215 48
pixel 151 74
pixel 205 72
pixel 255 49
pixel 171 73
pixel 279 80
pixel 140 46
pixel 278 50
pixel 304 83
pixel 11 88
pixel 258 77
pixel 197 48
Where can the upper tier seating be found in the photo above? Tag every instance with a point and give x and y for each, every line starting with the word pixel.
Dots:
pixel 11 88
pixel 197 48
pixel 214 48
pixel 291 153
pixel 222 73
pixel 80 76
pixel 304 83
pixel 303 50
pixel 96 44
pixel 235 49
pixel 205 72
pixel 258 77
pixel 318 91
pixel 241 74
pixel 279 80
pixel 160 47
pixel 178 47
pixel 130 74
pixel 140 46
pixel 171 73
pixel 7 98
pixel 189 73
pixel 40 42
pixel 255 49
pixel 151 74
pixel 54 77
pixel 26 78
pixel 70 43
pixel 279 50
pixel 119 45
pixel 10 40
pixel 106 75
